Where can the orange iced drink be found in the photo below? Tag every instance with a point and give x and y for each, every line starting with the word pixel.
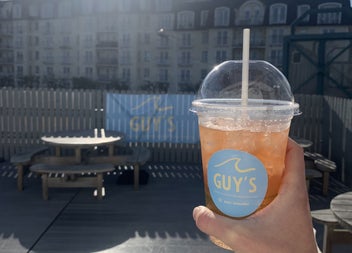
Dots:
pixel 268 147
pixel 266 141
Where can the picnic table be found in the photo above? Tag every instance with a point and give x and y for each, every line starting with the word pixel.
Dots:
pixel 341 206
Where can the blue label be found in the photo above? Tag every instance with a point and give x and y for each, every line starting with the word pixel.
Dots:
pixel 237 182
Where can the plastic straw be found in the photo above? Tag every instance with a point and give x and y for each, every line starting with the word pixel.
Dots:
pixel 245 66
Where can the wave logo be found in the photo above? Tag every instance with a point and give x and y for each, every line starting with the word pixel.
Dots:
pixel 237 182
pixel 153 104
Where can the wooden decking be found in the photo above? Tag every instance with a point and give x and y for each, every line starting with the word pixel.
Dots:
pixel 157 218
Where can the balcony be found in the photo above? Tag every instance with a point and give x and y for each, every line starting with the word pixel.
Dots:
pixel 107 44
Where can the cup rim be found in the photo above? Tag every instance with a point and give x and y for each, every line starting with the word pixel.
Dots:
pixel 221 104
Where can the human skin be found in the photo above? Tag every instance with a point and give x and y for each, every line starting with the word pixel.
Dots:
pixel 284 226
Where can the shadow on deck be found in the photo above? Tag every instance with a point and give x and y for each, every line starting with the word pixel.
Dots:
pixel 157 218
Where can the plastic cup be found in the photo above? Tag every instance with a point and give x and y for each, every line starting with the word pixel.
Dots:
pixel 243 145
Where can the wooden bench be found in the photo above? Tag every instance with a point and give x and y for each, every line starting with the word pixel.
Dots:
pixel 22 160
pixel 139 157
pixel 333 232
pixel 324 165
pixel 131 156
pixel 71 178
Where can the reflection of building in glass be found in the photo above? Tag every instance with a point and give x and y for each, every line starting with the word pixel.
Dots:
pixel 171 42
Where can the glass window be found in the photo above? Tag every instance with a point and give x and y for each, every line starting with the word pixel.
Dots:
pixel 301 9
pixel 221 56
pixel 87 7
pixel 204 18
pixel 222 16
pixel 329 17
pixel 33 11
pixel 146 73
pixel 205 37
pixel 251 13
pixel 185 57
pixel 17 11
pixel 276 57
pixel 64 9
pixel 47 10
pixel 163 5
pixel 163 57
pixel 185 19
pixel 186 40
pixel 278 14
pixel 204 56
pixel 166 21
pixel 277 36
pixel 163 75
pixel 185 75
pixel 222 38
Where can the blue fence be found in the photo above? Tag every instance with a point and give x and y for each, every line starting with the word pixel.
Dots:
pixel 152 118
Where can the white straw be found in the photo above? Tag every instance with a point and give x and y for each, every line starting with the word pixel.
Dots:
pixel 245 66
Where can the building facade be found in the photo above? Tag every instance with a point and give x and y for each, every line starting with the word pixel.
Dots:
pixel 141 43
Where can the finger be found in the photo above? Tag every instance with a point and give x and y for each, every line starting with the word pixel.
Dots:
pixel 212 223
pixel 294 165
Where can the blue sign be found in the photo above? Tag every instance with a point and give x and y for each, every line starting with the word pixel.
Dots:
pixel 152 118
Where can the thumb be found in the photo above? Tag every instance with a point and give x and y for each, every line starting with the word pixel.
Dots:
pixel 213 224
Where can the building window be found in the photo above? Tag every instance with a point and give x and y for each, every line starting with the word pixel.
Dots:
pixel 49 71
pixel 277 36
pixel 126 40
pixel 276 57
pixel 221 38
pixel 47 10
pixel 19 57
pixel 163 75
pixel 146 73
pixel 64 9
pixel 204 56
pixel 185 76
pixel 33 11
pixel 88 57
pixel 126 57
pixel 301 9
pixel 126 74
pixel 166 21
pixel 221 56
pixel 19 71
pixel 66 71
pixel 186 40
pixel 329 17
pixel 88 72
pixel 163 57
pixel 205 37
pixel 278 14
pixel 66 56
pixel 125 5
pixel 222 16
pixel 185 57
pixel 251 13
pixel 185 20
pixel 163 5
pixel 88 40
pixel 204 18
pixel 17 11
pixel 87 7
pixel 146 56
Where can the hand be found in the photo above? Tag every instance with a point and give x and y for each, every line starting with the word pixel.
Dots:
pixel 285 225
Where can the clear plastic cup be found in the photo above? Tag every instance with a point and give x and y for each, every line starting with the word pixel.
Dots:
pixel 243 144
